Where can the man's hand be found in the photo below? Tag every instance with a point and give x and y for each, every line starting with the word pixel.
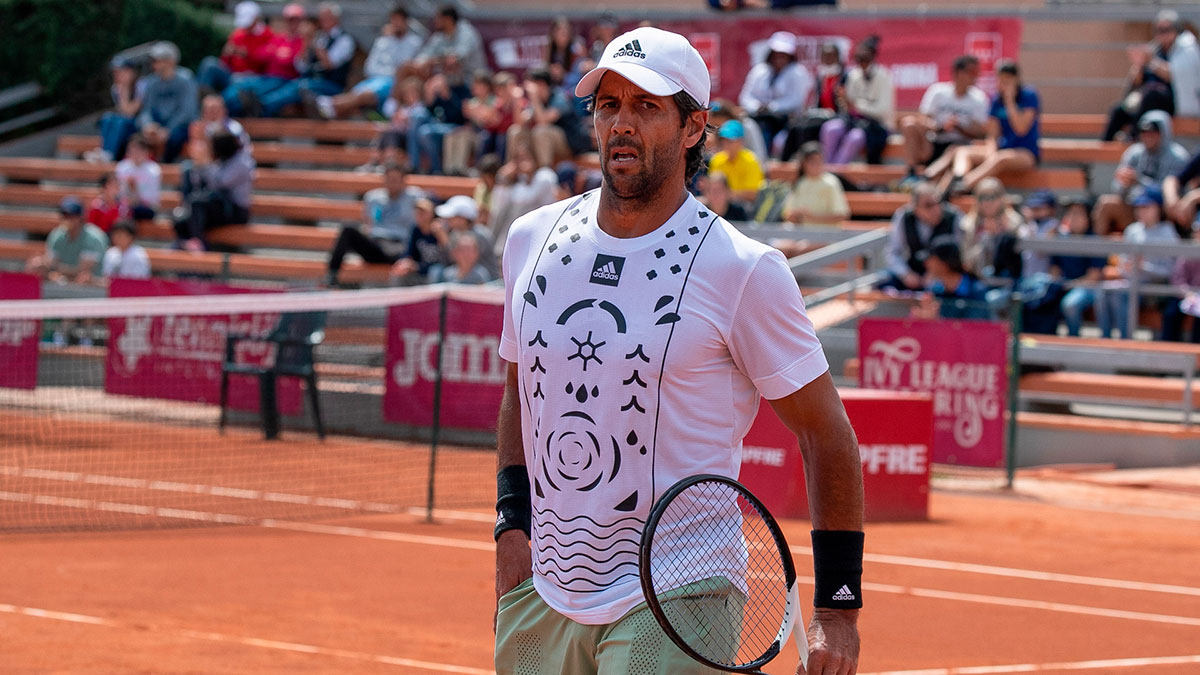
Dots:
pixel 1126 176
pixel 832 643
pixel 514 563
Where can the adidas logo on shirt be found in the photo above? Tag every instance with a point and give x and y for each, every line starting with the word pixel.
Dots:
pixel 607 270
pixel 843 594
pixel 632 50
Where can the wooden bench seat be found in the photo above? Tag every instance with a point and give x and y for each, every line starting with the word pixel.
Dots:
pixel 1100 387
pixel 265 153
pixel 1092 125
pixel 319 130
pixel 1078 424
pixel 1105 343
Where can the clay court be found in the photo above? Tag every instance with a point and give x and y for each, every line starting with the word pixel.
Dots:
pixel 180 573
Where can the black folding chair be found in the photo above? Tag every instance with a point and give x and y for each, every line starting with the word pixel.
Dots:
pixel 294 338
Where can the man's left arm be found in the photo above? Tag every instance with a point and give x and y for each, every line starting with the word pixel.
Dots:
pixel 833 475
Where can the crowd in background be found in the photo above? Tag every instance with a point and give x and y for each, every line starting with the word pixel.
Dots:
pixel 439 110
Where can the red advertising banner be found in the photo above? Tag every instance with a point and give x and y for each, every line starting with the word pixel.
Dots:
pixel 473 373
pixel 962 364
pixel 179 357
pixel 895 433
pixel 918 52
pixel 19 337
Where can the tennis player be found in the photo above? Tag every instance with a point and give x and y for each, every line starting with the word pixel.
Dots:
pixel 640 330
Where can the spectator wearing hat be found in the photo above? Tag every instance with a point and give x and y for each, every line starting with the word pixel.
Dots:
pixel 323 65
pixel 395 46
pixel 1147 163
pixel 1151 227
pixel 125 258
pixel 817 197
pixel 1086 271
pixel 1181 193
pixel 73 249
pixel 388 222
pixel 243 95
pixel 244 53
pixel 777 89
pixel 721 110
pixel 739 165
pixel 170 102
pixel 866 105
pixel 117 125
pixel 951 113
pixel 1041 222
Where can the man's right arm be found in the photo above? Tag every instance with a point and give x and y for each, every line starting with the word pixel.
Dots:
pixel 514 562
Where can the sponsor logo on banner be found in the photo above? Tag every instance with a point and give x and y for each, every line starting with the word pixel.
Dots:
pixel 16 331
pixel 19 337
pixel 988 48
pixel 897 459
pixel 757 454
pixel 469 359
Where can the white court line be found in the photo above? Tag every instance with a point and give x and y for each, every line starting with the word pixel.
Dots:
pixel 254 642
pixel 1042 667
pixel 317 528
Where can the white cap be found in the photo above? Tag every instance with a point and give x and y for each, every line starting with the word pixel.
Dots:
pixel 658 61
pixel 782 41
pixel 246 13
pixel 462 206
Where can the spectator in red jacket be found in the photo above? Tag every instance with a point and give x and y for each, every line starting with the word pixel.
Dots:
pixel 108 207
pixel 279 65
pixel 244 52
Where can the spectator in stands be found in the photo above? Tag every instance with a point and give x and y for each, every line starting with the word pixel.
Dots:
pixel 1182 193
pixel 739 165
pixel 1013 136
pixel 388 222
pixel 108 207
pixel 461 144
pixel 488 168
pixel 866 106
pixel 1163 75
pixel 323 66
pixel 461 214
pixel 169 103
pixel 954 291
pixel 830 79
pixel 990 232
pixel 1040 212
pixel 603 32
pixel 564 50
pixel 73 249
pixel 214 117
pixel 913 228
pixel 777 89
pixel 496 115
pixel 215 185
pixel 140 178
pixel 424 251
pixel 395 47
pixel 243 95
pixel 1085 271
pixel 716 195
pixel 1145 164
pixel 1186 277
pixel 406 111
pixel 951 113
pixel 521 187
pixel 444 103
pixel 1151 227
pixel 722 110
pixel 244 53
pixel 817 197
pixel 125 258
pixel 451 36
pixel 547 126
pixel 117 125
pixel 464 258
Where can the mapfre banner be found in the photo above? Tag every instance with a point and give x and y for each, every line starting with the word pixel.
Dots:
pixel 473 373
pixel 962 364
pixel 179 357
pixel 918 52
pixel 19 337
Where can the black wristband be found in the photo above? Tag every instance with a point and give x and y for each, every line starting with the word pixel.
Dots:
pixel 837 566
pixel 513 508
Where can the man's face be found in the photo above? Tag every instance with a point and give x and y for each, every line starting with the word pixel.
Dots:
pixel 162 66
pixel 398 23
pixel 642 141
pixel 1164 34
pixel 442 23
pixel 327 19
pixel 74 224
pixel 394 181
pixel 213 109
pixel 1151 138
pixel 537 90
pixel 927 209
pixel 967 77
pixel 1041 213
pixel 778 60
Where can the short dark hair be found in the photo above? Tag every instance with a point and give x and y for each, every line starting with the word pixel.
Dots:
pixel 489 164
pixel 139 139
pixel 124 226
pixel 946 249
pixel 225 145
pixel 105 177
pixel 539 75
pixel 695 155
pixel 399 9
pixel 449 12
pixel 964 62
pixel 1008 67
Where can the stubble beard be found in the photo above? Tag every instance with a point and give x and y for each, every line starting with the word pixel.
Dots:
pixel 645 185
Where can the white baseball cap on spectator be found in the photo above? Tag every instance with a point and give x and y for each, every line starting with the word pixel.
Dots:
pixel 165 50
pixel 245 14
pixel 660 62
pixel 782 41
pixel 461 206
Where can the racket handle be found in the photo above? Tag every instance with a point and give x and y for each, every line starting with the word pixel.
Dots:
pixel 795 624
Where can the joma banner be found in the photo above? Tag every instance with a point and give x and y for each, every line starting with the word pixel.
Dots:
pixel 473 373
pixel 962 364
pixel 179 357
pixel 19 337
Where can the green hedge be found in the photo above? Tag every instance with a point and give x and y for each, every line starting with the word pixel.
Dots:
pixel 66 45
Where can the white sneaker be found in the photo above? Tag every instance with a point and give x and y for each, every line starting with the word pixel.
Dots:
pixel 325 107
pixel 97 156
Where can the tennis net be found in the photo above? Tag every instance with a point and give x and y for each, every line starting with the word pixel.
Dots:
pixel 111 409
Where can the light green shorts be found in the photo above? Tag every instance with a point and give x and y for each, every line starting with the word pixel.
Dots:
pixel 533 639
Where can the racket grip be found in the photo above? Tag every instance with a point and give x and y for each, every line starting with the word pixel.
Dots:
pixel 796 623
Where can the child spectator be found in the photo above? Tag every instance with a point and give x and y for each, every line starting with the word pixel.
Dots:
pixel 244 53
pixel 424 251
pixel 395 47
pixel 125 258
pixel 721 111
pixel 73 249
pixel 140 178
pixel 117 125
pixel 817 197
pixel 107 207
pixel 465 267
pixel 1147 163
pixel 739 165
pixel 1084 270
pixel 169 103
pixel 1152 227
pixel 953 290
pixel 867 103
pixel 1041 222
pixel 388 221
pixel 215 186
pixel 406 111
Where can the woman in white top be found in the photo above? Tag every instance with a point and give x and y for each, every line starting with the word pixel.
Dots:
pixel 870 101
pixel 776 89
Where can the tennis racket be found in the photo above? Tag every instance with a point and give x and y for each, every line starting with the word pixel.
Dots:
pixel 718 575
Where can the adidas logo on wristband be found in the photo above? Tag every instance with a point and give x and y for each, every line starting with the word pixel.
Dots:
pixel 844 594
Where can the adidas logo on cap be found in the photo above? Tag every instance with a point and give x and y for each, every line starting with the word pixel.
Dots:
pixel 843 593
pixel 607 270
pixel 631 49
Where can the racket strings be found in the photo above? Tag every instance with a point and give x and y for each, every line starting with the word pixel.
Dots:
pixel 718 574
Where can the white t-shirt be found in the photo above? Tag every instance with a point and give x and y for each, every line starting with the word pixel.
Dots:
pixel 132 263
pixel 941 103
pixel 641 361
pixel 147 179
